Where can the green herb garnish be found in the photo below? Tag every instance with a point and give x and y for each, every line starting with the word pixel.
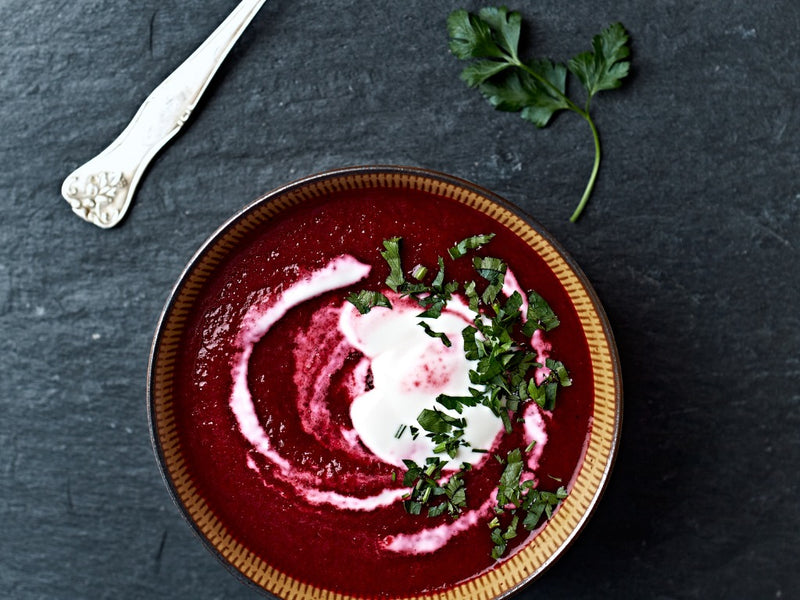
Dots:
pixel 366 300
pixel 540 315
pixel 521 500
pixel 536 88
pixel 456 402
pixel 419 272
pixel 392 256
pixel 436 334
pixel 493 270
pixel 470 243
pixel 425 489
pixel 503 380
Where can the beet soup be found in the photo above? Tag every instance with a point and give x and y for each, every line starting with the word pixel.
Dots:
pixel 290 407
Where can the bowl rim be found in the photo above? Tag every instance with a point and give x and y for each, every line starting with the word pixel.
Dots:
pixel 389 170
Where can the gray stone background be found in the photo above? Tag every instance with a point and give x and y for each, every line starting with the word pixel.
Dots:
pixel 692 241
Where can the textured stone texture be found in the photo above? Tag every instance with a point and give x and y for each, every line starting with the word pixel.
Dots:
pixel 692 240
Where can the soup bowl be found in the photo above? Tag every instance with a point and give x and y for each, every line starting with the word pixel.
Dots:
pixel 255 377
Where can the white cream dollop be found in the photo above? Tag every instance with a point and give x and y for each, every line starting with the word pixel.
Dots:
pixel 409 370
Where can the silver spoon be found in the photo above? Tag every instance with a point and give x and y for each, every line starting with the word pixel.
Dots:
pixel 101 190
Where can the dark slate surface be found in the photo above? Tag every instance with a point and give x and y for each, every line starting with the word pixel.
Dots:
pixel 692 241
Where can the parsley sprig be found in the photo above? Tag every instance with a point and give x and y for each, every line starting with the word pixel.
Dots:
pixel 537 87
pixel 503 380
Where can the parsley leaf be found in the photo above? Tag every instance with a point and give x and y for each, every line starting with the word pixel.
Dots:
pixel 559 372
pixel 366 300
pixel 436 334
pixel 456 402
pixel 537 88
pixel 423 481
pixel 540 315
pixel 471 243
pixel 604 68
pixel 419 272
pixel 537 100
pixel 518 498
pixel 502 377
pixel 436 421
pixel 392 256
pixel 493 270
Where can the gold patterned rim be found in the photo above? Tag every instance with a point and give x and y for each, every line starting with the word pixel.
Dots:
pixel 509 576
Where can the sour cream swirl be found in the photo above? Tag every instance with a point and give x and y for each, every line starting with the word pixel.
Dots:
pixel 400 372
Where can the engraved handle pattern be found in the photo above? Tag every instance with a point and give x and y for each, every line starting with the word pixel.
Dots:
pixel 101 190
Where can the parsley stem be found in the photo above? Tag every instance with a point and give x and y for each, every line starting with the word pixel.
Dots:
pixel 590 185
pixel 585 114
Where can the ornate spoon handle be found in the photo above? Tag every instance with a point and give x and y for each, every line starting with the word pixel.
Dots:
pixel 101 190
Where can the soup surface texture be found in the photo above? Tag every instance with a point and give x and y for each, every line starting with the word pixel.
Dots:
pixel 288 401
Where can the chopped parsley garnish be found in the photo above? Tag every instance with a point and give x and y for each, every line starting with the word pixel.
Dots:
pixel 471 243
pixel 540 315
pixel 537 88
pixel 521 500
pixel 503 379
pixel 419 272
pixel 366 300
pixel 493 270
pixel 426 491
pixel 456 402
pixel 437 334
pixel 392 256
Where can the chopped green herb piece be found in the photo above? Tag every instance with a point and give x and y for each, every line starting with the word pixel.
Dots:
pixel 424 487
pixel 509 313
pixel 508 491
pixel 550 391
pixel 560 371
pixel 366 300
pixel 544 394
pixel 435 306
pixel 436 334
pixel 436 421
pixel 471 243
pixel 392 256
pixel 515 496
pixel 456 492
pixel 472 296
pixel 503 379
pixel 511 531
pixel 493 270
pixel 537 503
pixel 540 315
pixel 413 507
pixel 413 289
pixel 419 272
pixel 500 543
pixel 456 402
pixel 604 67
pixel 437 282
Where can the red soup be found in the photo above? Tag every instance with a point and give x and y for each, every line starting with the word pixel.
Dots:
pixel 294 413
